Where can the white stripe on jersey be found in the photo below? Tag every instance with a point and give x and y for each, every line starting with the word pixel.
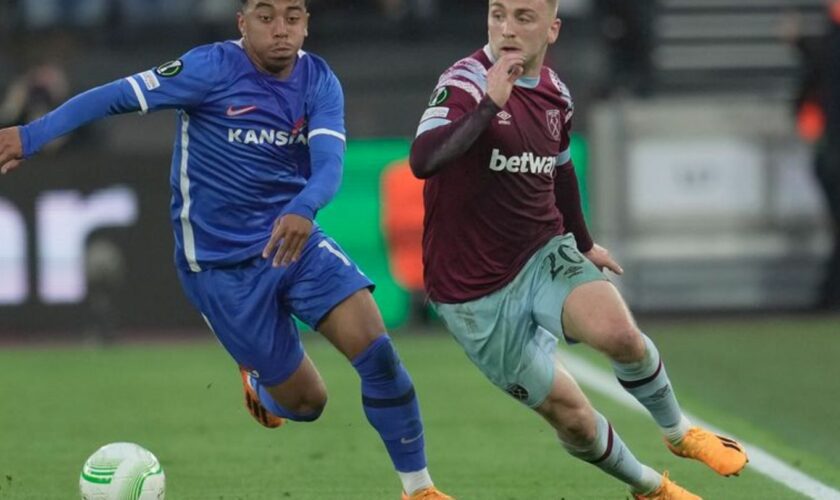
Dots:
pixel 564 93
pixel 141 99
pixel 468 64
pixel 186 225
pixel 326 131
pixel 564 157
pixel 478 80
pixel 435 112
pixel 431 125
pixel 467 87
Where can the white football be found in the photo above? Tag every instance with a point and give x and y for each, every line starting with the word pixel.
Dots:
pixel 122 471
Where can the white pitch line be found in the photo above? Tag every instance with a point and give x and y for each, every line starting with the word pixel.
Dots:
pixel 760 460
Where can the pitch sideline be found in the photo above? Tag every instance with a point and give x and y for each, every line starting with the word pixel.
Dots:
pixel 760 460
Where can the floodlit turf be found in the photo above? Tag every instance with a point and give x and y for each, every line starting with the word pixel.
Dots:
pixel 183 402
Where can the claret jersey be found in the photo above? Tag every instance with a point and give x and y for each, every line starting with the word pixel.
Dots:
pixel 493 207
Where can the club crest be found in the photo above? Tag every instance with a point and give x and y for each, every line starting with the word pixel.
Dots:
pixel 554 121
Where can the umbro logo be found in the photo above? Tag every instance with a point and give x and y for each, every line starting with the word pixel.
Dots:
pixel 233 112
pixel 504 117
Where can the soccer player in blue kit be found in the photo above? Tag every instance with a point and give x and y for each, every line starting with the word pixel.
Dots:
pixel 259 150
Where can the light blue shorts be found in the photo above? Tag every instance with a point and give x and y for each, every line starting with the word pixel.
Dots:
pixel 511 334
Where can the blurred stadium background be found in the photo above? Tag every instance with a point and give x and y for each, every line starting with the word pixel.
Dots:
pixel 693 175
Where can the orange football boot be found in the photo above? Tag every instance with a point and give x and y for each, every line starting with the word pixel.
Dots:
pixel 427 494
pixel 723 455
pixel 255 408
pixel 668 490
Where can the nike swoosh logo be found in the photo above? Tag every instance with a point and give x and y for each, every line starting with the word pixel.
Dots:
pixel 409 441
pixel 231 111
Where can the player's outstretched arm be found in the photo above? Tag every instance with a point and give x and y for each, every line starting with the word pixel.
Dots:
pixel 11 149
pixel 434 149
pixel 110 99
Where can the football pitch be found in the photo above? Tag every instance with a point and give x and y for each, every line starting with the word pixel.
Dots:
pixel 773 383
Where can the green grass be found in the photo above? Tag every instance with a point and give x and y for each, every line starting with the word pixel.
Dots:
pixel 183 402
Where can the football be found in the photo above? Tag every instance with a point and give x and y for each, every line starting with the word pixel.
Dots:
pixel 122 471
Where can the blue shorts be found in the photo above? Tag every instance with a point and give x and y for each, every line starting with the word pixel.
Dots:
pixel 249 306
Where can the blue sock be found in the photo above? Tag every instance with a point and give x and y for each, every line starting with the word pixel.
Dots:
pixel 391 405
pixel 274 407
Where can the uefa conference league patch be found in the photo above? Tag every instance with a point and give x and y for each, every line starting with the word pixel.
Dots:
pixel 439 96
pixel 170 69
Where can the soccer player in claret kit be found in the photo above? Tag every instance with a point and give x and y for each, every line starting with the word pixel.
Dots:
pixel 259 150
pixel 509 263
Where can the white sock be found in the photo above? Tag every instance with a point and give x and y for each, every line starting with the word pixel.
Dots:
pixel 609 454
pixel 676 433
pixel 648 382
pixel 415 481
pixel 649 476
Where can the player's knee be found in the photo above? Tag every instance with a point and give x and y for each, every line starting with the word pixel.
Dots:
pixel 573 421
pixel 577 427
pixel 379 362
pixel 310 406
pixel 309 413
pixel 625 344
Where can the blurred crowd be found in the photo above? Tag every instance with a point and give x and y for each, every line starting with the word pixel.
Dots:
pixel 44 14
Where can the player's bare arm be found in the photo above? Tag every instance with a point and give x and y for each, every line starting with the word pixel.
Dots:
pixel 287 239
pixel 602 259
pixel 11 149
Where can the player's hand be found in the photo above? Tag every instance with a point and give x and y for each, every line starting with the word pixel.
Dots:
pixel 501 77
pixel 601 257
pixel 287 239
pixel 11 149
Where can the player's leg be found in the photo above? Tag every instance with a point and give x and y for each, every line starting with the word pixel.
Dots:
pixel 500 336
pixel 355 327
pixel 301 398
pixel 587 435
pixel 333 296
pixel 240 306
pixel 593 312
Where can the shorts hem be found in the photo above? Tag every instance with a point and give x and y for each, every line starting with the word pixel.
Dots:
pixel 285 374
pixel 570 341
pixel 341 296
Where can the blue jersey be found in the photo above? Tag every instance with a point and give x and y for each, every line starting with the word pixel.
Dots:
pixel 248 148
pixel 244 148
pixel 241 151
